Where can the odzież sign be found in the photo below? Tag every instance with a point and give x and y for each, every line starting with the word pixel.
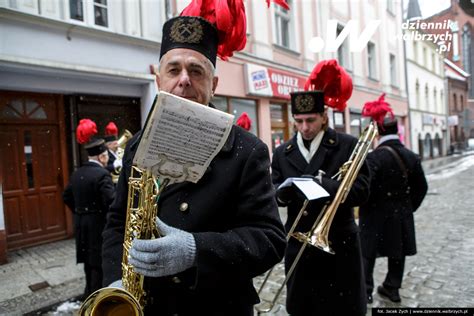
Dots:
pixel 269 82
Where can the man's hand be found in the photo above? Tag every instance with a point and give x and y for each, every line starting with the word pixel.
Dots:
pixel 285 195
pixel 117 163
pixel 168 255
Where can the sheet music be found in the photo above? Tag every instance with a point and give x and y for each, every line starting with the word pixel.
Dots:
pixel 308 186
pixel 181 138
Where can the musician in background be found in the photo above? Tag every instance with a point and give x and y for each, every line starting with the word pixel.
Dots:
pixel 89 194
pixel 111 141
pixel 322 283
pixel 222 231
pixel 386 221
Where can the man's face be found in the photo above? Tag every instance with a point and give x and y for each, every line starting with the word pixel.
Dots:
pixel 188 74
pixel 104 158
pixel 309 125
pixel 113 145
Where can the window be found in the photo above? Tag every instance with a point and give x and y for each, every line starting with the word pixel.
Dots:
pixel 355 123
pixel 393 70
pixel 93 12
pixel 435 99
pixel 433 62
pixel 455 102
pixel 23 109
pixel 371 60
pixel 415 51
pixel 461 103
pixel 390 6
pixel 236 107
pixel 417 89
pixel 467 53
pixel 76 10
pixel 425 57
pixel 100 12
pixel 279 124
pixel 343 50
pixel 427 97
pixel 283 26
pixel 168 9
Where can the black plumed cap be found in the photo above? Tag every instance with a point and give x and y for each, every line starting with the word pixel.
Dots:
pixel 95 147
pixel 389 126
pixel 110 138
pixel 305 102
pixel 190 32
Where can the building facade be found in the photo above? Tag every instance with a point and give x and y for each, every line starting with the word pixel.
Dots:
pixel 458 119
pixel 427 98
pixel 461 49
pixel 62 61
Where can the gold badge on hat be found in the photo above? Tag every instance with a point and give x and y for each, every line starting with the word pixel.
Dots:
pixel 189 31
pixel 304 103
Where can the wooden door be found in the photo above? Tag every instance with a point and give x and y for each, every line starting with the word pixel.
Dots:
pixel 31 174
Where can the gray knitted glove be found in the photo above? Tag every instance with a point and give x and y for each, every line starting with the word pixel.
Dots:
pixel 168 255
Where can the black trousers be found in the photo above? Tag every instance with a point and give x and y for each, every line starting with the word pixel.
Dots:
pixel 93 279
pixel 394 277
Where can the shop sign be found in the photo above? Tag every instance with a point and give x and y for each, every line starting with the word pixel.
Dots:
pixel 269 82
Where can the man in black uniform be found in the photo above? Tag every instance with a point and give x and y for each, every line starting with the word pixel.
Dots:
pixel 398 187
pixel 322 283
pixel 111 142
pixel 220 232
pixel 89 194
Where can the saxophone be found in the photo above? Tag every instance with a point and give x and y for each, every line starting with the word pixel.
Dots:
pixel 142 207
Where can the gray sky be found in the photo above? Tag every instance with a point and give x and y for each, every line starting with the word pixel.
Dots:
pixel 430 7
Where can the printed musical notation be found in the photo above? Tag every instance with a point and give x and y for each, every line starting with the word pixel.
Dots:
pixel 181 138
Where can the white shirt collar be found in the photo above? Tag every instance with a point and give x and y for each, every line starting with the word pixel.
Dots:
pixel 95 161
pixel 388 137
pixel 308 154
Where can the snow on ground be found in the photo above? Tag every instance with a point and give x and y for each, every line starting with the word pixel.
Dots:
pixel 453 168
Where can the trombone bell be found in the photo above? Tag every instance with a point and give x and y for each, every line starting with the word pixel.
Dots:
pixel 316 240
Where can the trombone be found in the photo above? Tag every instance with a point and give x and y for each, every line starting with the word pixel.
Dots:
pixel 318 235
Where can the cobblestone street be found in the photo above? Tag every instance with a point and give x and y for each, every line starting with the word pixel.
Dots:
pixel 441 274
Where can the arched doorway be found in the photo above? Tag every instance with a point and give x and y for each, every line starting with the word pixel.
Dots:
pixel 427 147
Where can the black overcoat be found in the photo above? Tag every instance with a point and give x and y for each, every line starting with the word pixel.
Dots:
pixel 324 284
pixel 234 219
pixel 110 163
pixel 89 194
pixel 386 220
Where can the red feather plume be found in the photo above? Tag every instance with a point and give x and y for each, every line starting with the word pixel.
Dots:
pixel 111 129
pixel 377 109
pixel 331 78
pixel 281 3
pixel 85 130
pixel 228 16
pixel 244 121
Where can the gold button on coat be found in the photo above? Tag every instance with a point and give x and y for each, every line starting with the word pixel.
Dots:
pixel 176 280
pixel 183 207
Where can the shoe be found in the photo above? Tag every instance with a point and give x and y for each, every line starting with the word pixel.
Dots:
pixel 391 294
pixel 370 299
